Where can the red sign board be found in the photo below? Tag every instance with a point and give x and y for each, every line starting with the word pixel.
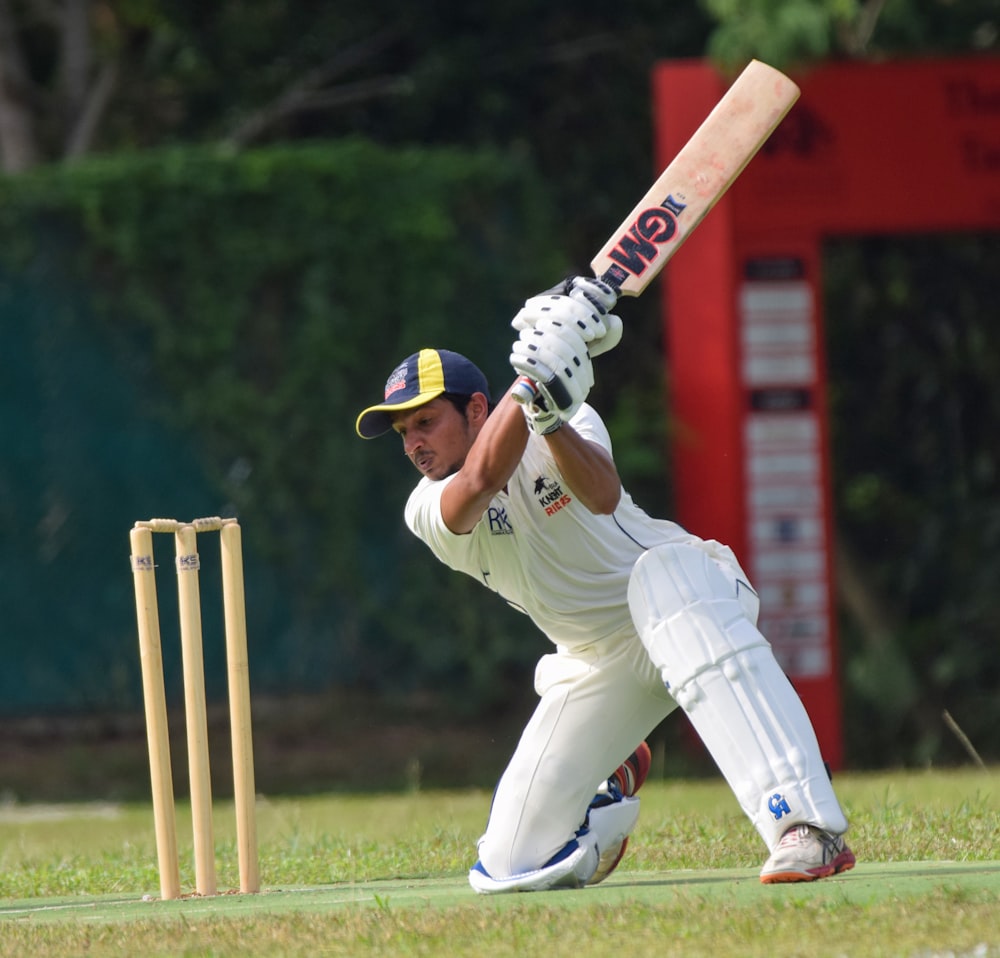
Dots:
pixel 882 148
pixel 868 148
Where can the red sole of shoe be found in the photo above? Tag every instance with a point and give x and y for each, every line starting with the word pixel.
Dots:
pixel 845 861
pixel 614 865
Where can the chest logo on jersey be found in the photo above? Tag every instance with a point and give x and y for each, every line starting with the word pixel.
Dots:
pixel 550 495
pixel 499 522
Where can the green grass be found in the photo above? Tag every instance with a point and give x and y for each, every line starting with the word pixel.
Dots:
pixel 385 875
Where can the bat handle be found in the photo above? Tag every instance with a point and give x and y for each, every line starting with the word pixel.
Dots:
pixel 613 277
pixel 524 391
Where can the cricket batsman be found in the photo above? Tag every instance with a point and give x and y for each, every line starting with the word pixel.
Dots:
pixel 643 616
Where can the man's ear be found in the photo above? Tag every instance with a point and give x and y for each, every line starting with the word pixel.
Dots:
pixel 477 410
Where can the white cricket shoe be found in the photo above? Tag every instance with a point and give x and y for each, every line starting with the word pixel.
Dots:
pixel 627 779
pixel 806 853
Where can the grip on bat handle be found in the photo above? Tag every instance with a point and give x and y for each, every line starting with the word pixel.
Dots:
pixel 524 391
pixel 551 394
pixel 613 277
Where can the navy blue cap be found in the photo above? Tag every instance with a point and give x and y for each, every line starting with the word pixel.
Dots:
pixel 417 380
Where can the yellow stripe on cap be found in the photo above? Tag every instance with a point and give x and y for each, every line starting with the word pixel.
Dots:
pixel 430 371
pixel 376 419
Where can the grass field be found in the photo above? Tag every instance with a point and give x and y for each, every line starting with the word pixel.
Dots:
pixel 385 875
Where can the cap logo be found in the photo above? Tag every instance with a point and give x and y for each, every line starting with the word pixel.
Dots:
pixel 396 381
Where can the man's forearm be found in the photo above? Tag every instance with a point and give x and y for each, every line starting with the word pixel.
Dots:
pixel 488 466
pixel 588 469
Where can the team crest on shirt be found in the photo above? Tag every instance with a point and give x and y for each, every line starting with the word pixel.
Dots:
pixel 550 495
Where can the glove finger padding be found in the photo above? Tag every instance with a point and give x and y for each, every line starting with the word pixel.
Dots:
pixel 572 367
pixel 578 312
pixel 595 292
pixel 556 347
pixel 574 346
pixel 610 339
pixel 601 298
pixel 527 363
pixel 557 360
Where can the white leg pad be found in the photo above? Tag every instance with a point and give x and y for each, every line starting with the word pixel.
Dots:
pixel 575 865
pixel 722 672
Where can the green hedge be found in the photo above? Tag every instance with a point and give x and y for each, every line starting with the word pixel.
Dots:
pixel 215 323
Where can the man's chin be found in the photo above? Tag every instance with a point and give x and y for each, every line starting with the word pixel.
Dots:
pixel 438 473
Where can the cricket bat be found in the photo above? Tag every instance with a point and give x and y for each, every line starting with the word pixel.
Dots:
pixel 690 186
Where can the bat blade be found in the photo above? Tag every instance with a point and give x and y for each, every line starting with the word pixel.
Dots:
pixel 696 178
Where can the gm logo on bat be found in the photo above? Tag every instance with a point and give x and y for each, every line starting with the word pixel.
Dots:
pixel 639 246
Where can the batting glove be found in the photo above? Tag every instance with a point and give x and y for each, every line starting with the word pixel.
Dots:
pixel 554 356
pixel 540 420
pixel 593 301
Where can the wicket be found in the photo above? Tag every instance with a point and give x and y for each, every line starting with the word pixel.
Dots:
pixel 193 667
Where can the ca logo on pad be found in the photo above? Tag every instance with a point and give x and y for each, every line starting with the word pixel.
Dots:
pixel 777 806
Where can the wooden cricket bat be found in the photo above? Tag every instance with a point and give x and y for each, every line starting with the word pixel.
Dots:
pixel 692 184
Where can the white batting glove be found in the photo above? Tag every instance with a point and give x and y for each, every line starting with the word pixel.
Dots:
pixel 595 291
pixel 554 356
pixel 540 420
pixel 601 298
pixel 593 298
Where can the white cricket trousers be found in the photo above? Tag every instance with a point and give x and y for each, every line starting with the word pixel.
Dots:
pixel 596 705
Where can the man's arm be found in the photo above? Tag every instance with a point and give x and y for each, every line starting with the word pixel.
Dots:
pixel 557 337
pixel 490 462
pixel 587 468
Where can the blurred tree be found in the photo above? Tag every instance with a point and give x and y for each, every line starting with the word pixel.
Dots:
pixel 789 32
pixel 58 68
pixel 913 359
pixel 84 74
pixel 78 75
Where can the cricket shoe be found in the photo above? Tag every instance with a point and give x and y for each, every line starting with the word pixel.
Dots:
pixel 624 782
pixel 806 853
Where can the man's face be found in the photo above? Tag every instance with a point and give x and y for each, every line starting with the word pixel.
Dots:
pixel 436 437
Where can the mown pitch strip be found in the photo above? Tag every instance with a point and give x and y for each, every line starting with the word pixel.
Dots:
pixel 869 882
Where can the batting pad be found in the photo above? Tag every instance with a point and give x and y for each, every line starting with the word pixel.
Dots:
pixel 722 672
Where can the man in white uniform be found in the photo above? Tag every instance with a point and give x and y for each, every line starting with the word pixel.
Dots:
pixel 643 615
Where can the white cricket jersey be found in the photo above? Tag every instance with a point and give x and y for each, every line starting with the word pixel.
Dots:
pixel 542 550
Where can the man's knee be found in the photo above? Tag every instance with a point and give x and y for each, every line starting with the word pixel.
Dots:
pixel 607 826
pixel 570 867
